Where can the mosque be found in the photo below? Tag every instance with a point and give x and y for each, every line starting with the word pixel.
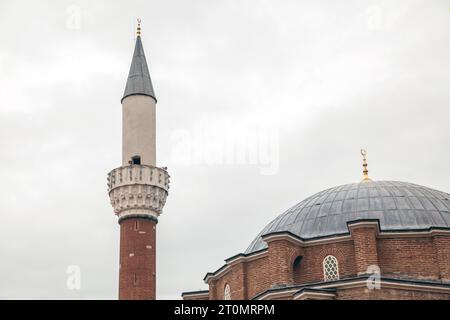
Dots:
pixel 365 240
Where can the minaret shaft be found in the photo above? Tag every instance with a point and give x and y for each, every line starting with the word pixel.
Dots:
pixel 138 129
pixel 137 274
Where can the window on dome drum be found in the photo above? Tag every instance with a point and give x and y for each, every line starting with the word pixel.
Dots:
pixel 227 292
pixel 330 268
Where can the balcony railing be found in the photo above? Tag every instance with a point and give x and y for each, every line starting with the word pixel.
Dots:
pixel 138 174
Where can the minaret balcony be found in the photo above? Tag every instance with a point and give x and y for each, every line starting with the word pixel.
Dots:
pixel 138 190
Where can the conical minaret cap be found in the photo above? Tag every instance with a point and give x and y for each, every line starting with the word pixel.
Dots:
pixel 139 81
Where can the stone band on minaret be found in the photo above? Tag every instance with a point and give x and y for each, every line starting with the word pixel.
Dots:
pixel 138 189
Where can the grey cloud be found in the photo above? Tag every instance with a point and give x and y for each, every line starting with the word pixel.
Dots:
pixel 332 77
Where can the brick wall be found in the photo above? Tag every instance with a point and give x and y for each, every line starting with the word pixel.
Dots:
pixel 137 271
pixel 235 279
pixel 442 250
pixel 311 267
pixel 257 276
pixel 365 247
pixel 408 258
pixel 281 254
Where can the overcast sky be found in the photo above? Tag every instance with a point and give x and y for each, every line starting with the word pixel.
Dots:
pixel 260 105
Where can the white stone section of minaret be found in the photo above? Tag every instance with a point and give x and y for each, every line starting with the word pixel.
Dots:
pixel 138 190
pixel 138 134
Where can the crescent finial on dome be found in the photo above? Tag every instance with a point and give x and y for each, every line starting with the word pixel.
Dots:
pixel 366 177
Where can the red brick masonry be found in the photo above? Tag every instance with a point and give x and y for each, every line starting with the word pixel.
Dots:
pixel 137 268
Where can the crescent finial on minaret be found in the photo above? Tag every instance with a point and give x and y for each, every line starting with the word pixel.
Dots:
pixel 366 177
pixel 138 29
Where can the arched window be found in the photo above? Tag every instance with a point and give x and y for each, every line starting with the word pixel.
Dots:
pixel 330 268
pixel 296 269
pixel 227 292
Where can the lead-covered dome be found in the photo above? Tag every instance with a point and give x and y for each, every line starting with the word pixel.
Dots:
pixel 399 206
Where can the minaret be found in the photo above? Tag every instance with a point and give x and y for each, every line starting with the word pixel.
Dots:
pixel 138 189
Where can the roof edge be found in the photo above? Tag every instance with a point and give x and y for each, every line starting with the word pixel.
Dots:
pixel 194 293
pixel 326 285
pixel 230 260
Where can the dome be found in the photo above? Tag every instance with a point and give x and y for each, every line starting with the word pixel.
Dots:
pixel 399 206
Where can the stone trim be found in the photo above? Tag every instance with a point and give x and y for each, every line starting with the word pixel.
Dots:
pixel 218 273
pixel 395 284
pixel 316 294
pixel 195 294
pixel 279 293
pixel 415 233
pixel 286 235
pixel 233 261
pixel 138 216
pixel 351 225
pixel 246 258
pixel 355 282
